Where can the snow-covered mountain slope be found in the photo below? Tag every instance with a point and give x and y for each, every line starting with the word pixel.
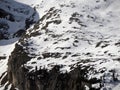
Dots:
pixel 15 18
pixel 75 33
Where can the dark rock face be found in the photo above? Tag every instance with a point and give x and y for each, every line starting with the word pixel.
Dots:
pixel 19 33
pixel 15 72
pixel 41 79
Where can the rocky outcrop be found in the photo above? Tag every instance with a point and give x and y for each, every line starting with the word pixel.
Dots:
pixel 66 50
pixel 18 58
pixel 42 79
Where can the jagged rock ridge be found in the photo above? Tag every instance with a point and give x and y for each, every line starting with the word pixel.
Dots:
pixel 74 46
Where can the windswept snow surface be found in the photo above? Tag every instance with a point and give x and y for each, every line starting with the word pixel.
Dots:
pixel 88 35
pixel 96 34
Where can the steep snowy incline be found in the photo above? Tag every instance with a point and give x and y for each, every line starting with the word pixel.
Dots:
pixel 88 29
pixel 70 33
pixel 15 18
pixel 75 33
